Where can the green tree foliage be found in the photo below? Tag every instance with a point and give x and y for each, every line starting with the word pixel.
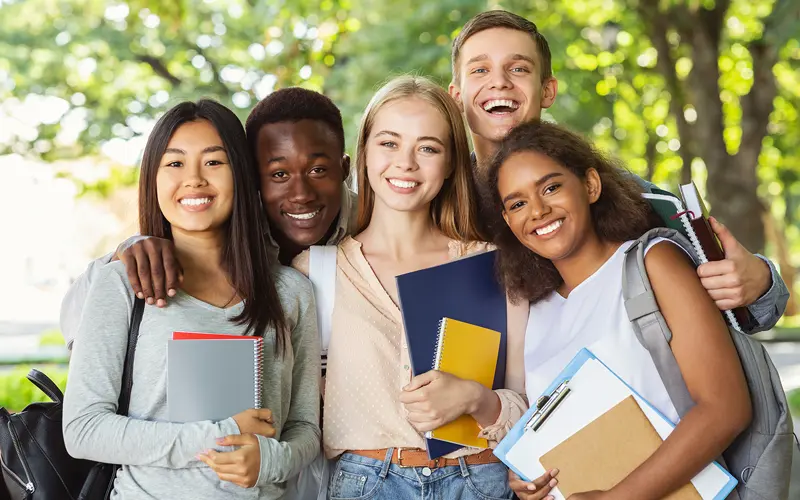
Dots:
pixel 675 88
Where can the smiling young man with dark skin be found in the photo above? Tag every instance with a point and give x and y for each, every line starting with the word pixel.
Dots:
pixel 297 137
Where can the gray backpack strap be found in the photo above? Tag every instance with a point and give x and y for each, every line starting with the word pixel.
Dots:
pixel 322 273
pixel 648 323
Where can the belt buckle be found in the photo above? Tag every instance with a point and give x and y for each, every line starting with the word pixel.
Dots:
pixel 400 459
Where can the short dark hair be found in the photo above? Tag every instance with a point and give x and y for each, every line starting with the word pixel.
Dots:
pixel 503 19
pixel 293 104
pixel 245 257
pixel 620 214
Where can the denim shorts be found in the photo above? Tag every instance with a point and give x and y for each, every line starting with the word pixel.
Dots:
pixel 355 477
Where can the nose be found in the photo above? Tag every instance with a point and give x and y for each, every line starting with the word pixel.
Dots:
pixel 300 191
pixel 499 80
pixel 194 177
pixel 406 160
pixel 539 209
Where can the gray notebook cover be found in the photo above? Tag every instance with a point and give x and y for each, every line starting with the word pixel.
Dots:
pixel 211 379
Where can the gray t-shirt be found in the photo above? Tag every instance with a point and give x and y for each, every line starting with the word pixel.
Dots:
pixel 158 456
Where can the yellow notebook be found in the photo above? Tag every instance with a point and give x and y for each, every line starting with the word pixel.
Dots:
pixel 469 352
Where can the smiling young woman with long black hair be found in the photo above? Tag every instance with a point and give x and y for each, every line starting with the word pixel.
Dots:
pixel 198 187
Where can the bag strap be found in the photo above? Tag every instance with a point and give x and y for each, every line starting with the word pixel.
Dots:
pixel 127 371
pixel 648 323
pixel 322 273
pixel 46 385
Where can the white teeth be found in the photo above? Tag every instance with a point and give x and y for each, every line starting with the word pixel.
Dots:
pixel 549 228
pixel 403 184
pixel 494 103
pixel 307 216
pixel 193 202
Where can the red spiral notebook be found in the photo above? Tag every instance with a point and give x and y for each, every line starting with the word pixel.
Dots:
pixel 213 376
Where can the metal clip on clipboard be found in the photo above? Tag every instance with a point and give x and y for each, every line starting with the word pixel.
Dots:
pixel 545 406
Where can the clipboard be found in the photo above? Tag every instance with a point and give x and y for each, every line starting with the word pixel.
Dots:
pixel 583 391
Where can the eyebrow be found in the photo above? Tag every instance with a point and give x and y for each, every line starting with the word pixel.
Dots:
pixel 514 57
pixel 420 138
pixel 313 156
pixel 538 183
pixel 210 149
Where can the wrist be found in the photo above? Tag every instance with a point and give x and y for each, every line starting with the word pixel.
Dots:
pixel 480 398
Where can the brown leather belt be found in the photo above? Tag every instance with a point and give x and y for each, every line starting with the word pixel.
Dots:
pixel 415 457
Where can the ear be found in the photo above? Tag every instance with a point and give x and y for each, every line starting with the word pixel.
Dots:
pixel 594 185
pixel 549 92
pixel 345 166
pixel 505 218
pixel 455 92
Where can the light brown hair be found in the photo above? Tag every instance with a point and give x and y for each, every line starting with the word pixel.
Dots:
pixel 503 19
pixel 454 209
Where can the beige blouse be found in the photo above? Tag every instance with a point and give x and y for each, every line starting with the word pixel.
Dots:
pixel 368 362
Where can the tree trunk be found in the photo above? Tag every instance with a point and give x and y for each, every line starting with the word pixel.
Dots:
pixel 788 271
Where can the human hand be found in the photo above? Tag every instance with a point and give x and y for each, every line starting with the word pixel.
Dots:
pixel 255 422
pixel 241 466
pixel 538 489
pixel 436 398
pixel 153 270
pixel 740 278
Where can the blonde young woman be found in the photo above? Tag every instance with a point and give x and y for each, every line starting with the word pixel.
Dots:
pixel 416 210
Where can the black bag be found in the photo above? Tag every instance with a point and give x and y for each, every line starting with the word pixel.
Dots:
pixel 34 460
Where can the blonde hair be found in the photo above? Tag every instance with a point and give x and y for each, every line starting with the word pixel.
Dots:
pixel 454 209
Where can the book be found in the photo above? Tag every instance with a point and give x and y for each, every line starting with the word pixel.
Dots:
pixel 692 221
pixel 213 376
pixel 585 390
pixel 468 352
pixel 624 433
pixel 464 289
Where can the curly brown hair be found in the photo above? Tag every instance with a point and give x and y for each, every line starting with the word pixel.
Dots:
pixel 620 213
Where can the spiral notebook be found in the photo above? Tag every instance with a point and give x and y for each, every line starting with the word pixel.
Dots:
pixel 212 376
pixel 691 219
pixel 469 352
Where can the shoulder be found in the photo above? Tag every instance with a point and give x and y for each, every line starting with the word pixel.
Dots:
pixel 294 291
pixel 666 260
pixel 463 248
pixel 301 262
pixel 112 276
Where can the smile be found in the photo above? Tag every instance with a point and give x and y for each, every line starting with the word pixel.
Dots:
pixel 500 106
pixel 305 216
pixel 196 202
pixel 549 228
pixel 403 184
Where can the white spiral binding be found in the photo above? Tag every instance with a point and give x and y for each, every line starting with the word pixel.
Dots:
pixel 258 360
pixel 437 359
pixel 701 254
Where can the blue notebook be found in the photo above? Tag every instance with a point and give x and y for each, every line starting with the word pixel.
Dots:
pixel 465 290
pixel 584 390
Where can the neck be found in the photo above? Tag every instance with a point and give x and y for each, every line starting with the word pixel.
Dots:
pixel 585 261
pixel 288 249
pixel 401 235
pixel 200 255
pixel 484 150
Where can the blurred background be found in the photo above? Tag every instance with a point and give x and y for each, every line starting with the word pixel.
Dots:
pixel 707 90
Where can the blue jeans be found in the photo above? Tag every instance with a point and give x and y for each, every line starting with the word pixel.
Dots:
pixel 360 478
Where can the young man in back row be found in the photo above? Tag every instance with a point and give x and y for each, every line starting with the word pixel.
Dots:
pixel 501 77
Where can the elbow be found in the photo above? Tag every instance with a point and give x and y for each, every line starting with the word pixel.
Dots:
pixel 743 417
pixel 76 439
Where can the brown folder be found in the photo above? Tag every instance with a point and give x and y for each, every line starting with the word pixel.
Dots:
pixel 604 452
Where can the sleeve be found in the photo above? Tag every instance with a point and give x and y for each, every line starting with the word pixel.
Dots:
pixel 299 442
pixel 512 407
pixel 769 308
pixel 75 299
pixel 92 429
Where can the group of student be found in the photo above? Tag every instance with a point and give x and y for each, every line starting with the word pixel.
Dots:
pixel 227 214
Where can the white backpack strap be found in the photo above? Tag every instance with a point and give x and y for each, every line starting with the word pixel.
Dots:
pixel 322 273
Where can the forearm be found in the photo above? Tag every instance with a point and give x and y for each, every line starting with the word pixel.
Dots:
pixel 699 439
pixel 484 405
pixel 103 436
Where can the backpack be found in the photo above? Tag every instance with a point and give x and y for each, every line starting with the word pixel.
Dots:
pixel 761 456
pixel 312 482
pixel 33 457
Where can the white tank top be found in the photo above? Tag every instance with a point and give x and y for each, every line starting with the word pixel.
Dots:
pixel 593 316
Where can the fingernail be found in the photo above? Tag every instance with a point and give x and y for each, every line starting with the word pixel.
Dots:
pixel 140 295
pixel 150 300
pixel 220 440
pixel 162 302
pixel 554 472
pixel 531 487
pixel 171 292
pixel 553 483
pixel 550 497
